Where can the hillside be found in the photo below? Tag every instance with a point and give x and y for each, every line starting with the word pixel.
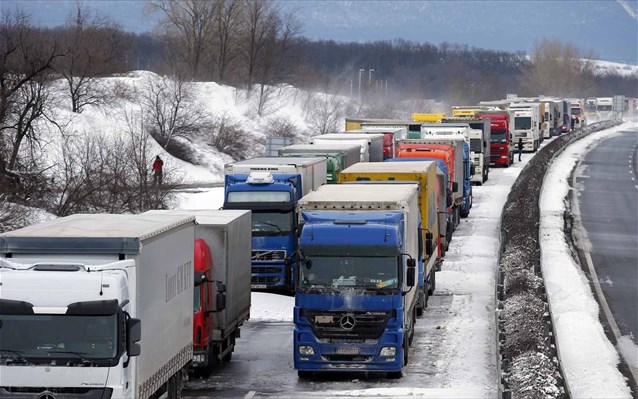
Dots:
pixel 223 105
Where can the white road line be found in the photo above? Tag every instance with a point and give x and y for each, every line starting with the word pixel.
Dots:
pixel 250 394
pixel 603 303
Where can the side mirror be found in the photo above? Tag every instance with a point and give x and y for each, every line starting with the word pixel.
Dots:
pixel 455 187
pixel 472 170
pixel 429 248
pixel 411 274
pixel 448 198
pixel 200 278
pixel 221 287
pixel 220 301
pixel 133 336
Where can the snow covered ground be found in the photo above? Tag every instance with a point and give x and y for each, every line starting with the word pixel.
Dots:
pixel 466 285
pixel 465 366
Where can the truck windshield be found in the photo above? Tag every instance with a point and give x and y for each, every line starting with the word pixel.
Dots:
pixel 522 123
pixel 343 271
pixel 475 145
pixel 68 337
pixel 498 136
pixel 271 223
pixel 575 111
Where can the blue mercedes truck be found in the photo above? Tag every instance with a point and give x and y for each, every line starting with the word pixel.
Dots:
pixel 356 294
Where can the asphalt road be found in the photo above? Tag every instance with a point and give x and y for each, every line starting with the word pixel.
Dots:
pixel 607 186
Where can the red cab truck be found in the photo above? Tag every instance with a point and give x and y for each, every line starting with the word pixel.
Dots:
pixel 222 271
pixel 501 145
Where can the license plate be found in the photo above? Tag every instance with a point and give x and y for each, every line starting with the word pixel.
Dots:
pixel 258 286
pixel 348 351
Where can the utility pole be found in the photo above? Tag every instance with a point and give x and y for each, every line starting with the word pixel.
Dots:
pixel 360 70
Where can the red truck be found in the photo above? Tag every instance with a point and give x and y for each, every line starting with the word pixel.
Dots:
pixel 222 269
pixel 501 145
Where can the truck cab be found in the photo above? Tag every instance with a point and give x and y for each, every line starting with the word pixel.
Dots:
pixel 270 188
pixel 355 302
pixel 501 144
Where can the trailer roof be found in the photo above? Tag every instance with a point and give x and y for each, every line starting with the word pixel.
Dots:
pixel 363 195
pixel 348 136
pixel 279 161
pixel 82 233
pixel 322 146
pixel 204 216
pixel 390 167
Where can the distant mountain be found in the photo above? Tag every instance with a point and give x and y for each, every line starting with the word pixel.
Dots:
pixel 607 27
pixel 610 28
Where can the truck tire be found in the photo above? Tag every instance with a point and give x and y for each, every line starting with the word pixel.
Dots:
pixel 432 282
pixel 305 375
pixel 174 386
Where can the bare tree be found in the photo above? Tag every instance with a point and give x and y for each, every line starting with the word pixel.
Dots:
pixel 92 46
pixel 274 63
pixel 171 111
pixel 26 58
pixel 227 28
pixel 325 113
pixel 558 69
pixel 259 19
pixel 12 216
pixel 283 127
pixel 98 173
pixel 190 25
pixel 228 137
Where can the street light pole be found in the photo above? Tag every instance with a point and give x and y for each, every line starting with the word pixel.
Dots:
pixel 370 77
pixel 360 70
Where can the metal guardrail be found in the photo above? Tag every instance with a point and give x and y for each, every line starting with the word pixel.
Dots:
pixel 555 148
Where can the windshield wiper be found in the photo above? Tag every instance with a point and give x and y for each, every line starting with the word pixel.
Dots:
pixel 16 358
pixel 321 288
pixel 84 360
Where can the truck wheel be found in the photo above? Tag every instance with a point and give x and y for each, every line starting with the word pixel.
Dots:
pixel 423 303
pixel 174 386
pixel 432 282
pixel 305 375
pixel 410 337
pixel 395 375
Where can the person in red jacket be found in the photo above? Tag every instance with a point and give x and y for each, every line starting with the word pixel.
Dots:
pixel 157 170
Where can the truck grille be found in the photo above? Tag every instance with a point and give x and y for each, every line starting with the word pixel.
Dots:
pixel 347 358
pixel 266 270
pixel 268 255
pixel 79 393
pixel 343 325
pixel 269 280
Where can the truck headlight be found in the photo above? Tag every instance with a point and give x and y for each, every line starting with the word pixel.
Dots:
pixel 306 350
pixel 199 358
pixel 388 351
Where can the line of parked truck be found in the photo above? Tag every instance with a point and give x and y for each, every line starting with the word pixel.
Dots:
pixel 121 306
pixel 355 223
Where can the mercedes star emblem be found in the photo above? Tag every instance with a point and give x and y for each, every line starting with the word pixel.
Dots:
pixel 347 322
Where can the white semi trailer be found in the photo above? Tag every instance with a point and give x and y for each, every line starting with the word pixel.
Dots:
pixel 97 304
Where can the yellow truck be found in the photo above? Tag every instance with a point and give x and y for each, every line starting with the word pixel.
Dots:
pixel 357 123
pixel 423 173
pixel 427 118
pixel 467 110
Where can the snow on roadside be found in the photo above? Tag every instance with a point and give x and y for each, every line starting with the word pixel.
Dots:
pixel 589 360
